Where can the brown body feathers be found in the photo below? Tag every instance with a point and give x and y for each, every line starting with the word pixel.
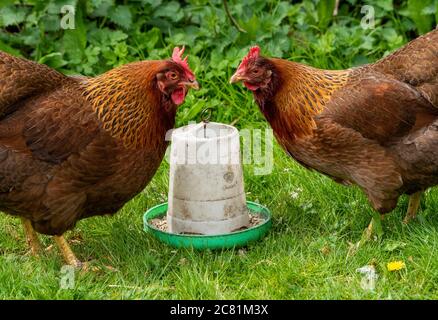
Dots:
pixel 375 126
pixel 71 148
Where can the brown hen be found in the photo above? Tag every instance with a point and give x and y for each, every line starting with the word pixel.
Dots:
pixel 375 126
pixel 76 147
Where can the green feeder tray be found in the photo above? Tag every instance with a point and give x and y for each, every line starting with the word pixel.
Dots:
pixel 201 242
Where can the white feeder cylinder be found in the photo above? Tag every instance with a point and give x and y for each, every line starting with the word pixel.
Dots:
pixel 206 192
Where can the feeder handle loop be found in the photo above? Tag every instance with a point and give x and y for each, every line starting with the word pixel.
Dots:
pixel 206 115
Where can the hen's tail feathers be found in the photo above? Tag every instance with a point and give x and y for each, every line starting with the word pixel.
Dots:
pixel 21 78
pixel 415 64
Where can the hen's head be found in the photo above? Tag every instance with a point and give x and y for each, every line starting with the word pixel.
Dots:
pixel 137 102
pixel 175 78
pixel 255 71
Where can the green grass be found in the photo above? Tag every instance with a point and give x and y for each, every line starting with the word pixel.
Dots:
pixel 305 256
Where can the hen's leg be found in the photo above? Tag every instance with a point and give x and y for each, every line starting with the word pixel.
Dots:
pixel 31 237
pixel 414 203
pixel 374 228
pixel 67 253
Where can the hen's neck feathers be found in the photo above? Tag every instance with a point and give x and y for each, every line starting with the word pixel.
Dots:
pixel 296 94
pixel 129 105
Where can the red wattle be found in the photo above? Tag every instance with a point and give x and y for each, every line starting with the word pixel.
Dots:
pixel 250 86
pixel 178 96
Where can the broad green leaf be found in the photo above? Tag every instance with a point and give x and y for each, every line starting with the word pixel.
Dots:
pixel 56 6
pixel 106 36
pixel 422 21
pixel 386 5
pixel 431 9
pixel 280 12
pixel 360 60
pixel 39 5
pixel 4 3
pixel 102 7
pixel 12 16
pixel 389 34
pixel 170 10
pixel 121 15
pixel 367 43
pixel 194 110
pixel 53 60
pixel 325 10
pixel 117 36
pixel 153 3
pixel 52 22
pixel 153 36
pixel 98 3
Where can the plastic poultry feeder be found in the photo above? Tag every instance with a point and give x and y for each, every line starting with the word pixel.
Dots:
pixel 207 207
pixel 206 193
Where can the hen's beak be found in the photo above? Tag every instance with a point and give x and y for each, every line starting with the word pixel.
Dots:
pixel 191 84
pixel 236 78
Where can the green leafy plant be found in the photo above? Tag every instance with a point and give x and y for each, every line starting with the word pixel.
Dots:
pixel 109 33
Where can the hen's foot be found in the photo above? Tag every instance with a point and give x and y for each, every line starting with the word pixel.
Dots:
pixel 68 254
pixel 368 232
pixel 414 204
pixel 374 229
pixel 31 237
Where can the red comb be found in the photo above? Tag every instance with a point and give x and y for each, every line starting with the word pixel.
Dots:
pixel 253 54
pixel 177 58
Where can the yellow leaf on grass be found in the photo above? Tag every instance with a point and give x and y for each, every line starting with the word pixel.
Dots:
pixel 395 265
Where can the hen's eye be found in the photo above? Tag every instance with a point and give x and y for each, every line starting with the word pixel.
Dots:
pixel 173 76
pixel 256 71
